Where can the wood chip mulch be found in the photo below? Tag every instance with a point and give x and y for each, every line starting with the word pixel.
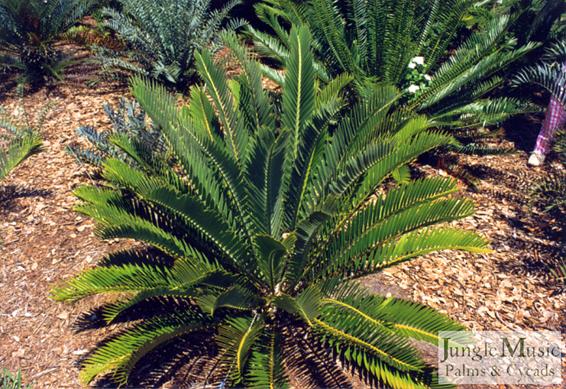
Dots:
pixel 504 290
pixel 44 242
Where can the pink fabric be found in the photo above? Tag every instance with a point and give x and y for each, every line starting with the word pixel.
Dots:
pixel 555 119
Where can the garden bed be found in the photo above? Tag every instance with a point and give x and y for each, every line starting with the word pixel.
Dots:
pixel 45 242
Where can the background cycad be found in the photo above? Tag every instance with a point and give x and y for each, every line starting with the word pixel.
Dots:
pixel 162 37
pixel 379 40
pixel 263 228
pixel 28 31
pixel 128 122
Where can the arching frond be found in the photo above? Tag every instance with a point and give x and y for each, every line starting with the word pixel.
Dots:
pixel 121 353
pixel 236 338
pixel 267 364
pixel 550 76
pixel 19 148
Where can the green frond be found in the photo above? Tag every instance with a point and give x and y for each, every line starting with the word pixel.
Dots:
pixel 416 321
pixel 115 222
pixel 350 333
pixel 120 354
pixel 217 86
pixel 348 247
pixel 331 92
pixel 236 338
pixel 306 304
pixel 418 243
pixel 361 122
pixel 97 196
pixel 442 23
pixel 255 104
pixel 306 235
pixel 483 112
pixel 550 76
pixel 208 223
pixel 268 45
pixel 402 175
pixel 236 297
pixel 378 160
pixel 302 200
pixel 138 278
pixel 202 113
pixel 155 100
pixel 350 305
pixel 400 316
pixel 400 199
pixel 298 97
pixel 271 256
pixel 19 149
pixel 114 279
pixel 479 149
pixel 216 172
pixel 267 173
pixel 266 365
pixel 328 27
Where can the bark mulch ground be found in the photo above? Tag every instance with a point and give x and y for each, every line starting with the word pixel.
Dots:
pixel 504 290
pixel 44 242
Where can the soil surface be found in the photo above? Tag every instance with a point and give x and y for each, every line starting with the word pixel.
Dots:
pixel 44 242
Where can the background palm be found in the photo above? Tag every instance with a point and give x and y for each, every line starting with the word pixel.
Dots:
pixel 376 40
pixel 263 227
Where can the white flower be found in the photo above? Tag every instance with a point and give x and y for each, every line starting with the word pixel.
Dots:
pixel 418 60
pixel 413 89
pixel 427 77
pixel 412 65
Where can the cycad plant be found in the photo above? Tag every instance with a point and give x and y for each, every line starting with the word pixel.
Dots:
pixel 28 31
pixel 162 37
pixel 276 208
pixel 17 143
pixel 540 20
pixel 550 73
pixel 412 44
pixel 18 149
pixel 128 122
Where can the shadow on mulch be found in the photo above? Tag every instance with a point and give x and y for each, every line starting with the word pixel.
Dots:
pixel 483 172
pixel 9 193
pixel 176 360
pixel 523 130
pixel 82 76
pixel 539 258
